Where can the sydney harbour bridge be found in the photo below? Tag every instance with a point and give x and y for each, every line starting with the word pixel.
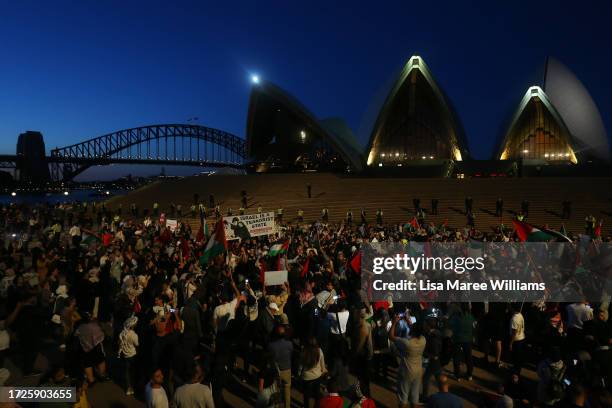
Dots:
pixel 168 144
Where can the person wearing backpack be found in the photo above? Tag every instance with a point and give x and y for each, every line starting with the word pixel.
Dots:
pixel 551 372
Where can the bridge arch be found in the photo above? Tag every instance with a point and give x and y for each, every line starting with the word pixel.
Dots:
pixel 170 144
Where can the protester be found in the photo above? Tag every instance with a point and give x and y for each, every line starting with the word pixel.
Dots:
pixel 551 372
pixel 313 371
pixel 155 395
pixel 163 300
pixel 444 398
pixel 517 338
pixel 194 394
pixel 410 354
pixel 282 353
pixel 462 325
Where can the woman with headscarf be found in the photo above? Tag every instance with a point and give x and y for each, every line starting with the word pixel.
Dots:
pixel 128 341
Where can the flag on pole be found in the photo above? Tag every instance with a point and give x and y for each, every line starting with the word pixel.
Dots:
pixel 557 235
pixel 563 230
pixel 279 248
pixel 216 245
pixel 527 232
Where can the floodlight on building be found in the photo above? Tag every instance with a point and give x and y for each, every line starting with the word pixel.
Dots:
pixel 65 193
pixel 546 155
pixel 525 151
pixel 379 164
pixel 303 135
pixel 431 157
pixel 107 192
pixel 382 155
pixel 13 194
pixel 423 157
pixel 255 79
pixel 396 154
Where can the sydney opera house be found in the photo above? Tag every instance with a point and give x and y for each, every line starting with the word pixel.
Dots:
pixel 417 131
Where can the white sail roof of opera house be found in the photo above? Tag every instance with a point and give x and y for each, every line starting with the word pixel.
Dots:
pixel 577 109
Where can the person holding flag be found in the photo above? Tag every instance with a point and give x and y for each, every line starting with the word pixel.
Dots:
pixel 216 245
pixel 414 224
pixel 279 249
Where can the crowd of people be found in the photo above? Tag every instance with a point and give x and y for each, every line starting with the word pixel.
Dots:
pixel 111 297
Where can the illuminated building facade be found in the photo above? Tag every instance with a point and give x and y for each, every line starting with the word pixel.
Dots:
pixel 556 124
pixel 416 122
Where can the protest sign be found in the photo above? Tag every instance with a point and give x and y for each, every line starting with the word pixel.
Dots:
pixel 249 225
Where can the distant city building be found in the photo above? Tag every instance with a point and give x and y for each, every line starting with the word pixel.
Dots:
pixel 31 158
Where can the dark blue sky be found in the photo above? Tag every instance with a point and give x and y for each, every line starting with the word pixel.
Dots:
pixel 79 69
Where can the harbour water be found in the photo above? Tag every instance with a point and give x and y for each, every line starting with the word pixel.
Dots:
pixel 54 197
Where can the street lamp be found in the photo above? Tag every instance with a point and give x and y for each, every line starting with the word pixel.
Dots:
pixel 65 193
pixel 303 135
pixel 13 194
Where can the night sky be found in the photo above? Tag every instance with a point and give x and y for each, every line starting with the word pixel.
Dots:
pixel 75 70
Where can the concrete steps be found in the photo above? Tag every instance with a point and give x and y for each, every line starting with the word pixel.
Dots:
pixel 393 195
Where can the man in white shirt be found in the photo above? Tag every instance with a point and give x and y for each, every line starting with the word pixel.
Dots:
pixel 194 394
pixel 517 338
pixel 577 314
pixel 155 395
pixel 226 311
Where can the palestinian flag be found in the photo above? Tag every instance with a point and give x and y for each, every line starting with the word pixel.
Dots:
pixel 558 236
pixel 527 232
pixel 202 232
pixel 89 238
pixel 216 245
pixel 355 263
pixel 597 232
pixel 414 223
pixel 279 248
